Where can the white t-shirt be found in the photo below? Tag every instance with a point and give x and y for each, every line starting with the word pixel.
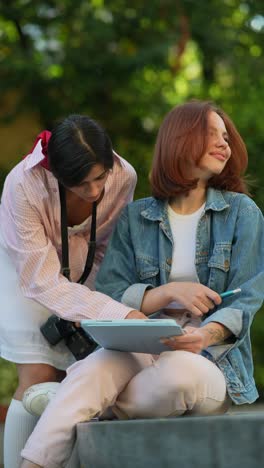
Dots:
pixel 183 228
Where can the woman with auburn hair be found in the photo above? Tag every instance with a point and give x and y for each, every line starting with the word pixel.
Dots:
pixel 173 254
pixel 182 142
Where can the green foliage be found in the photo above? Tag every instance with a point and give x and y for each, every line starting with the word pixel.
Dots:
pixel 3 174
pixel 8 381
pixel 127 63
pixel 257 348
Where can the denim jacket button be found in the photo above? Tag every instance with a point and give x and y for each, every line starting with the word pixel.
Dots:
pixel 226 263
pixel 169 261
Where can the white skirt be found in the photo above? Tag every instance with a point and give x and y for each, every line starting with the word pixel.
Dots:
pixel 20 319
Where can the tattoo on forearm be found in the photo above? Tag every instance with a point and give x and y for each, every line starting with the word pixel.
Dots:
pixel 217 334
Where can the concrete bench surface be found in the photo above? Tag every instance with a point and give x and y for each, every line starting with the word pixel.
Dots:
pixel 233 440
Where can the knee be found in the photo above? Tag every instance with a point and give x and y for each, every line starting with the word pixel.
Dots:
pixel 100 362
pixel 181 370
pixel 31 374
pixel 104 371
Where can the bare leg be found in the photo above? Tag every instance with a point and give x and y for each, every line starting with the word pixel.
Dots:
pixel 30 374
pixel 28 464
pixel 19 423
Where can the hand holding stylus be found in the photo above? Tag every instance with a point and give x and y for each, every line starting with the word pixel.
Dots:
pixel 230 293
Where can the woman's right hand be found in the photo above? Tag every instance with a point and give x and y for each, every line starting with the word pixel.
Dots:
pixel 195 297
pixel 136 314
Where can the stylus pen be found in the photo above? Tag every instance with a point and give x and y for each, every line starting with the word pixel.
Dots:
pixel 230 293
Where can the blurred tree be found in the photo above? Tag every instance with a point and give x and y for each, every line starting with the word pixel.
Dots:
pixel 127 63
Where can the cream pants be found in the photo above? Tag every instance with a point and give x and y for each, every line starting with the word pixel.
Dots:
pixel 135 386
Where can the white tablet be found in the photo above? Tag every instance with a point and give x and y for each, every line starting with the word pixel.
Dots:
pixel 138 336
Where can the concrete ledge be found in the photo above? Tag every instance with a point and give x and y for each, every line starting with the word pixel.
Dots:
pixel 232 440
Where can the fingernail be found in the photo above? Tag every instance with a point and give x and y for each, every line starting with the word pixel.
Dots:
pixel 163 341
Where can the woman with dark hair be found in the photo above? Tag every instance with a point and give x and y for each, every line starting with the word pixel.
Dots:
pixel 173 254
pixel 76 160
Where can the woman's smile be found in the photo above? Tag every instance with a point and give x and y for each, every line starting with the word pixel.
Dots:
pixel 218 155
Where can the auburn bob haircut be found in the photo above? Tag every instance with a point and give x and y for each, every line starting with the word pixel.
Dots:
pixel 181 143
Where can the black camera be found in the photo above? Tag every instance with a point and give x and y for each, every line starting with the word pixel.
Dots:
pixel 79 343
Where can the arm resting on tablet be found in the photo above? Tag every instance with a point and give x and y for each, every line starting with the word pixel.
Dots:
pixel 133 314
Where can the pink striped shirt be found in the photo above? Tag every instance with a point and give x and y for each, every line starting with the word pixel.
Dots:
pixel 30 230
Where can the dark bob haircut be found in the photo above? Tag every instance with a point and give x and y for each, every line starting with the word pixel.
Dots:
pixel 75 146
pixel 182 141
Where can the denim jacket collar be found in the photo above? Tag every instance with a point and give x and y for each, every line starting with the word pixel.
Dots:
pixel 215 200
pixel 157 211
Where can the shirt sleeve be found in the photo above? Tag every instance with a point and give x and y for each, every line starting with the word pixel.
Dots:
pixel 124 184
pixel 128 181
pixel 38 267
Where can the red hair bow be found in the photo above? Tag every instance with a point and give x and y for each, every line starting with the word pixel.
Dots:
pixel 44 137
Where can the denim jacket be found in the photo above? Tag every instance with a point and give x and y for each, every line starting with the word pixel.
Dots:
pixel 229 254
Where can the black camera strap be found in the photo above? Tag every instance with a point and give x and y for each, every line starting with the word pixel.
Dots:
pixel 56 328
pixel 64 240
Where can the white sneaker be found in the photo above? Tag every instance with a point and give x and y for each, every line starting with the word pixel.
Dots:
pixel 37 397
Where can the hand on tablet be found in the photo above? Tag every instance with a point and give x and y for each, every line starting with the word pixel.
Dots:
pixel 193 341
pixel 136 314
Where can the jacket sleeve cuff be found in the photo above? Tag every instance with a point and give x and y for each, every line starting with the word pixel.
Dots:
pixel 114 310
pixel 229 317
pixel 217 350
pixel 133 296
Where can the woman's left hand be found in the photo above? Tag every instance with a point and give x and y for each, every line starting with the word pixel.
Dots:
pixel 193 341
